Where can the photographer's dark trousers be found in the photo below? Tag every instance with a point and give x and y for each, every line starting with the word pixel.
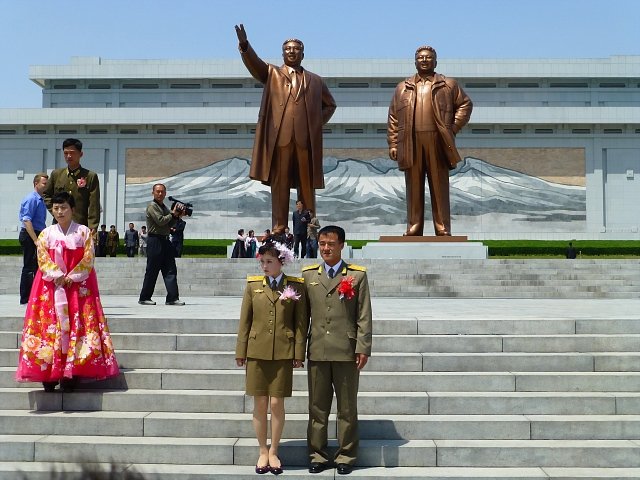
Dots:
pixel 160 258
pixel 301 242
pixel 29 264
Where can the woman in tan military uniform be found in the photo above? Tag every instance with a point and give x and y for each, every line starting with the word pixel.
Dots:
pixel 271 342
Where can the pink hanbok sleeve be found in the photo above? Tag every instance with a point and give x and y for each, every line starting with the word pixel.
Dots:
pixel 81 271
pixel 50 270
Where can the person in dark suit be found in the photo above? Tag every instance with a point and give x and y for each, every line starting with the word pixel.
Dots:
pixel 103 236
pixel 287 151
pixel 272 336
pixel 301 219
pixel 131 240
pixel 76 180
pixel 339 347
pixel 177 237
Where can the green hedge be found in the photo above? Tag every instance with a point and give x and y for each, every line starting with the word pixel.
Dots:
pixel 191 247
pixel 497 248
pixel 551 248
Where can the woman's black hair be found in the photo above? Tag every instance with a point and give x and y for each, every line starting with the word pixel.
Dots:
pixel 63 197
pixel 270 248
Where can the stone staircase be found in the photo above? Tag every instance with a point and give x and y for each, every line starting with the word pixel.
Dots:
pixel 461 390
pixel 554 278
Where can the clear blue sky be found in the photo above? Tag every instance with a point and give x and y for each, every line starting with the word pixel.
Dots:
pixel 45 32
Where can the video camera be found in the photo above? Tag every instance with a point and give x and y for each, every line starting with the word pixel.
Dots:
pixel 186 207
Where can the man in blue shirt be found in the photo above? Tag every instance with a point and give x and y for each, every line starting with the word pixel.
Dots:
pixel 33 214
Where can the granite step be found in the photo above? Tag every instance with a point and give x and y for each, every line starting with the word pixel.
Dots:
pixel 370 403
pixel 492 278
pixel 72 471
pixel 421 343
pixel 385 362
pixel 174 379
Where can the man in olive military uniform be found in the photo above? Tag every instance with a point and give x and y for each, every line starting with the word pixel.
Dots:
pixel 82 184
pixel 339 347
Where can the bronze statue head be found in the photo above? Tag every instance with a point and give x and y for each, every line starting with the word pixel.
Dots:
pixel 426 60
pixel 292 52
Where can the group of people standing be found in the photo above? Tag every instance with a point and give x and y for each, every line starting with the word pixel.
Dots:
pixel 135 243
pixel 326 314
pixel 65 333
pixel 323 316
pixel 303 241
pixel 245 246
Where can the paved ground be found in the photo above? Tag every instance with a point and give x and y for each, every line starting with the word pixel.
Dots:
pixel 388 308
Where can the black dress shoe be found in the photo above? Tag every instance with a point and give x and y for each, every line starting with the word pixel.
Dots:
pixel 68 385
pixel 262 470
pixel 49 386
pixel 317 467
pixel 146 302
pixel 344 468
pixel 276 470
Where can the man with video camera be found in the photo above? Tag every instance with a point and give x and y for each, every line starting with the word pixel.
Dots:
pixel 160 253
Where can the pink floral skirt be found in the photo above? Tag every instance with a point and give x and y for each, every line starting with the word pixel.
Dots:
pixel 52 348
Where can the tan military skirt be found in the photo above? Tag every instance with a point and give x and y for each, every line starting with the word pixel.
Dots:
pixel 271 378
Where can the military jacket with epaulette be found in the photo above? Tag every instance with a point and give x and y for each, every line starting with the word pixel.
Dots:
pixel 272 328
pixel 340 307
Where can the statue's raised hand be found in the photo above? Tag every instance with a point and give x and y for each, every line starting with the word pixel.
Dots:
pixel 242 35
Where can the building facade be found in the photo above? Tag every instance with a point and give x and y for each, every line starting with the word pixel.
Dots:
pixel 551 151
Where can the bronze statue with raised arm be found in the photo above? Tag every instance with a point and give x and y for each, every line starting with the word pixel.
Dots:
pixel 426 113
pixel 287 150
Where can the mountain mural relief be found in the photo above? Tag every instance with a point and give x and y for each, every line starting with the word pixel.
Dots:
pixel 368 199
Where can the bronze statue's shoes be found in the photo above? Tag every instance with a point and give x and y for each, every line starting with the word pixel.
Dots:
pixel 414 231
pixel 262 470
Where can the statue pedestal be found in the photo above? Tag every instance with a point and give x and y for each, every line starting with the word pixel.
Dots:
pixel 427 247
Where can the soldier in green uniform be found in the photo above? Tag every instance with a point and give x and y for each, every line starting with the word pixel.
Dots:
pixel 339 347
pixel 82 184
pixel 271 342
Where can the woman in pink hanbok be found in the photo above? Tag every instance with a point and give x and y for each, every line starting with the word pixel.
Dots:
pixel 65 334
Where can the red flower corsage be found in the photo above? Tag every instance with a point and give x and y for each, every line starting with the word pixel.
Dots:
pixel 82 182
pixel 345 289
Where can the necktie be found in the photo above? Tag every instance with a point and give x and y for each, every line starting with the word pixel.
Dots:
pixel 295 83
pixel 274 284
pixel 332 273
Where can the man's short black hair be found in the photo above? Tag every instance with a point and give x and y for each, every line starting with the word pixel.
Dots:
pixel 72 142
pixel 339 231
